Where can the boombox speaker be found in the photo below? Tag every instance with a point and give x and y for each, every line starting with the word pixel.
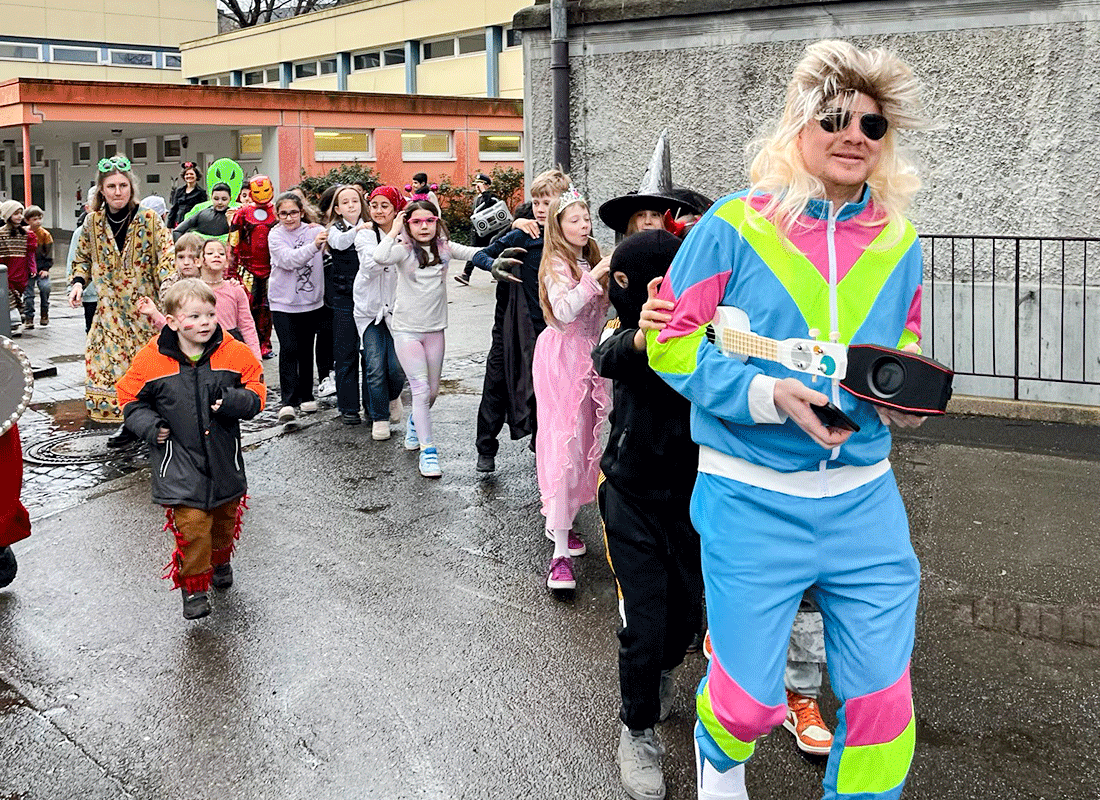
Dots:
pixel 899 380
pixel 491 219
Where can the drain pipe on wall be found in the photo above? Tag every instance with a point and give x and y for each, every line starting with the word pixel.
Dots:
pixel 559 70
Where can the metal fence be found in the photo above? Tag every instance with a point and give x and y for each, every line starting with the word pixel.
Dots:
pixel 1015 316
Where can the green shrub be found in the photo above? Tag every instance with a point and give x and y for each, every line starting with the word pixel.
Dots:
pixel 314 185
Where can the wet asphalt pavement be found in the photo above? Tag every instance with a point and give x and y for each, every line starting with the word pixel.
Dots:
pixel 389 636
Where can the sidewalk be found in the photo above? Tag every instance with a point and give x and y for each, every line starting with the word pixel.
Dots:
pixel 66 455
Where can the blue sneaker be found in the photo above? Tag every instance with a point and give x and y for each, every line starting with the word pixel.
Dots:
pixel 411 441
pixel 429 463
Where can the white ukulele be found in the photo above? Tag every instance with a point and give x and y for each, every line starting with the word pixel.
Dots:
pixel 734 338
pixel 884 376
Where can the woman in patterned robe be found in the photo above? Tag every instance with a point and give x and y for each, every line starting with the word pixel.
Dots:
pixel 125 251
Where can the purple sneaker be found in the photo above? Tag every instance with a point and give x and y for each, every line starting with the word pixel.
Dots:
pixel 576 546
pixel 560 575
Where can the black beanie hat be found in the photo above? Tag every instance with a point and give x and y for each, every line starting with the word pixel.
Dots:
pixel 641 257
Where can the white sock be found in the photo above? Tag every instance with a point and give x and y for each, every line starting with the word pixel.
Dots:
pixel 561 542
pixel 715 785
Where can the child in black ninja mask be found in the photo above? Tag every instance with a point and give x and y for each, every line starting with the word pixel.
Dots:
pixel 649 468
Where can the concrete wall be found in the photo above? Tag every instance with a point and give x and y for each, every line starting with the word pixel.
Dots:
pixel 1011 82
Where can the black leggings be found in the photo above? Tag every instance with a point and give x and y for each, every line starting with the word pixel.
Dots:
pixel 296 334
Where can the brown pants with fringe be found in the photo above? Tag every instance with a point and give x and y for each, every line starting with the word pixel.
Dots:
pixel 204 539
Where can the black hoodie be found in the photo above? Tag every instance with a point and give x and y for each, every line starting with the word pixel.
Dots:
pixel 650 453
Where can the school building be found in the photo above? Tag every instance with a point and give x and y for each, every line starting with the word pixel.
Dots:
pixel 153 79
pixel 439 47
pixel 67 126
pixel 138 40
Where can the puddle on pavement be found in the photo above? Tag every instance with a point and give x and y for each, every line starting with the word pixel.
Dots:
pixel 67 415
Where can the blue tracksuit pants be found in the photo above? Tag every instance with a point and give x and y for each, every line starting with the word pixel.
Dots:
pixel 760 550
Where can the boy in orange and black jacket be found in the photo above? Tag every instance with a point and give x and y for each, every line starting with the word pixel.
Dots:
pixel 184 395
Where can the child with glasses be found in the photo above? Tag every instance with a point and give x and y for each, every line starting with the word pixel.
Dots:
pixel 296 294
pixel 419 247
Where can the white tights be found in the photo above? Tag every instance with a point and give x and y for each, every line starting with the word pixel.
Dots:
pixel 421 356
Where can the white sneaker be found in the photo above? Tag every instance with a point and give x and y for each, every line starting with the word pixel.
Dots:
pixel 714 785
pixel 380 430
pixel 327 387
pixel 412 441
pixel 287 414
pixel 639 760
pixel 397 411
pixel 309 407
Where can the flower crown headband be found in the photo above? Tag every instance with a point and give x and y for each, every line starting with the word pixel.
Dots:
pixel 570 196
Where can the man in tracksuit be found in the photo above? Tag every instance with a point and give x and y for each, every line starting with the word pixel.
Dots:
pixel 649 469
pixel 818 247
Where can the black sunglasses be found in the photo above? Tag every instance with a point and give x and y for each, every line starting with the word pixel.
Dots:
pixel 834 120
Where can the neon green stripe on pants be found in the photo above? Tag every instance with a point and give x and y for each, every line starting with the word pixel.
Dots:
pixel 730 744
pixel 873 768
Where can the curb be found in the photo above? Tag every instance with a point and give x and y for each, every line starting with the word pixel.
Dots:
pixel 1024 409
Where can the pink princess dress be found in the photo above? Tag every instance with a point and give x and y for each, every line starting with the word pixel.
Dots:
pixel 572 400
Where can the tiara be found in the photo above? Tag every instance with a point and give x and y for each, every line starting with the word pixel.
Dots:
pixel 570 196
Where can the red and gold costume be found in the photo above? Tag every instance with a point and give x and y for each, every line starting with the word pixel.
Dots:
pixel 248 243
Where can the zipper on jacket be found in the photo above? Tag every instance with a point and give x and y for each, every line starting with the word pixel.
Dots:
pixel 834 322
pixel 167 458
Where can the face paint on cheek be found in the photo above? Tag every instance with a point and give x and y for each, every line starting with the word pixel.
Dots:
pixel 190 327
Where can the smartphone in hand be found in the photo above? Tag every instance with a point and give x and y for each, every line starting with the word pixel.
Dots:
pixel 833 417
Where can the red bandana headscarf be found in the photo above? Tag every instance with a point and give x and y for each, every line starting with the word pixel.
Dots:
pixel 391 194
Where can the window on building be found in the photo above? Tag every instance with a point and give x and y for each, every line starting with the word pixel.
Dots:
pixel 254 78
pixel 271 74
pixel 139 150
pixel 366 60
pixel 131 58
pixel 307 69
pixel 341 145
pixel 394 56
pixel 471 43
pixel 172 61
pixel 110 148
pixel 77 55
pixel 441 48
pixel 500 146
pixel 328 66
pixel 29 52
pixel 83 153
pixel 426 145
pixel 250 145
pixel 208 81
pixel 172 148
pixel 513 38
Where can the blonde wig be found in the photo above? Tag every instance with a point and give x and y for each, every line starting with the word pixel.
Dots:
pixel 829 75
pixel 557 247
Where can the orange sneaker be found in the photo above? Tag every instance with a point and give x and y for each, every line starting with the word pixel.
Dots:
pixel 805 722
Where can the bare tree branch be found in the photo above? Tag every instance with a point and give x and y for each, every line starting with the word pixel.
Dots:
pixel 247 13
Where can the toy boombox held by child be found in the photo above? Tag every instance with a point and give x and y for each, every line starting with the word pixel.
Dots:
pixel 491 218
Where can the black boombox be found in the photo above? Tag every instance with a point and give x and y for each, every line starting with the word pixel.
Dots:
pixel 897 379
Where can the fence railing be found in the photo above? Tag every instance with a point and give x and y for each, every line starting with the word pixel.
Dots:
pixel 1015 316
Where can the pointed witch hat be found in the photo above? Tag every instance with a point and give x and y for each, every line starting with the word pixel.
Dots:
pixel 654 194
